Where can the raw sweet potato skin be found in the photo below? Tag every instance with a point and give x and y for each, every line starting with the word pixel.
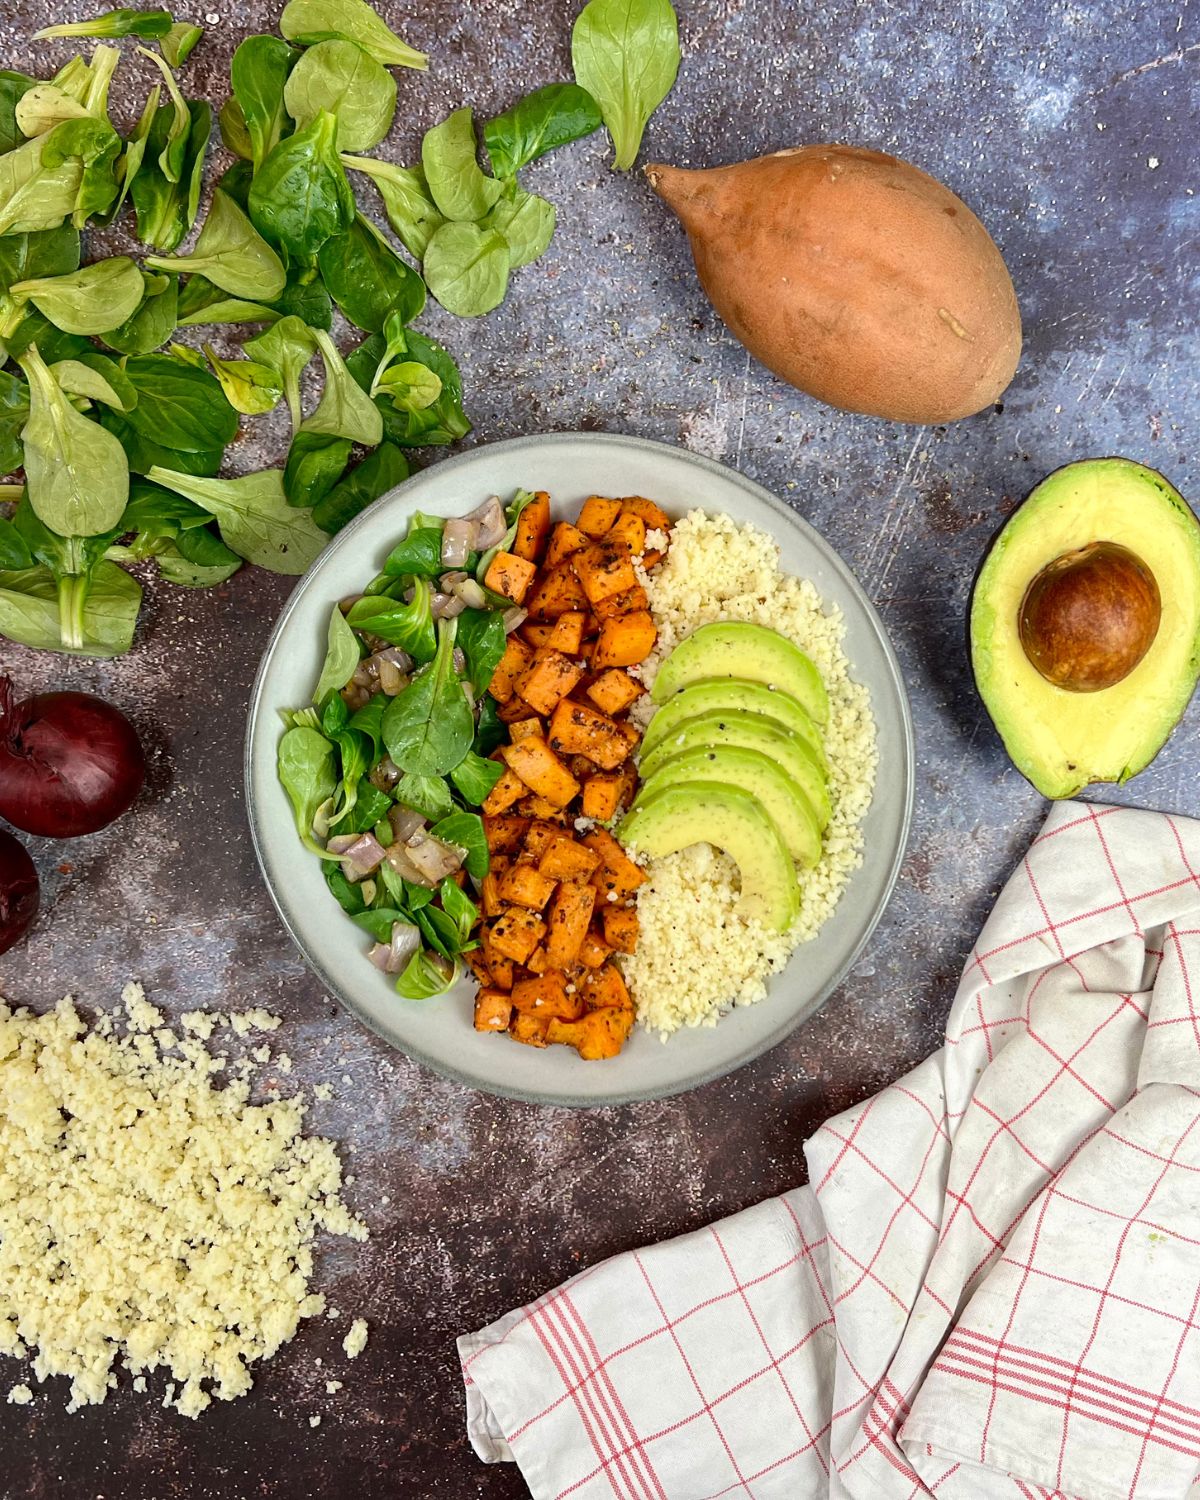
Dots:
pixel 907 312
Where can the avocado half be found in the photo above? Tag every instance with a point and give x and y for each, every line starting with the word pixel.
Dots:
pixel 1059 739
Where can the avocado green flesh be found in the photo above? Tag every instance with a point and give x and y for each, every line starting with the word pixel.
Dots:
pixel 732 766
pixel 750 732
pixel 1061 741
pixel 753 653
pixel 720 695
pixel 731 819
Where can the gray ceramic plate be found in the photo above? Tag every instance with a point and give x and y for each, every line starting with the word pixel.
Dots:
pixel 439 1032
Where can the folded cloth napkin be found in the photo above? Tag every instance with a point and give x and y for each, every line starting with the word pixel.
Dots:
pixel 991 1287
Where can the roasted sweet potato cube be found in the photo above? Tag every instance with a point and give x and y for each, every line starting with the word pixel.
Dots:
pixel 577 729
pixel 617 873
pixel 594 952
pixel 630 733
pixel 493 1010
pixel 625 641
pixel 566 859
pixel 513 664
pixel 539 838
pixel 538 962
pixel 529 1029
pixel 627 782
pixel 655 517
pixel 504 834
pixel 509 789
pixel 581 767
pixel 604 570
pixel 538 807
pixel 602 795
pixel 520 729
pixel 510 576
pixel 541 770
pixel 537 633
pixel 620 925
pixel 515 933
pixel 630 602
pixel 500 967
pixel 652 557
pixel 533 528
pixel 598 514
pixel 489 894
pixel 605 989
pixel 557 592
pixel 566 633
pixel 564 540
pixel 548 679
pixel 548 994
pixel 613 691
pixel 525 885
pixel 599 1034
pixel 478 967
pixel 630 529
pixel 568 916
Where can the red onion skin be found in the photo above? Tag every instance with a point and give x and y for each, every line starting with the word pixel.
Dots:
pixel 18 891
pixel 69 763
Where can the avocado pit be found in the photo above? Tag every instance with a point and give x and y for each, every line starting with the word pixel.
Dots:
pixel 1089 617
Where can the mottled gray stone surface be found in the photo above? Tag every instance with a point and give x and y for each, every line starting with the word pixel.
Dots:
pixel 1071 128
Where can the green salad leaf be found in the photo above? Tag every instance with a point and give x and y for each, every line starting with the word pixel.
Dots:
pixel 340 77
pixel 315 463
pixel 409 626
pixel 249 387
pixel 458 185
pixel 549 117
pixel 153 321
pixel 367 279
pixel 287 346
pixel 258 76
pixel 341 656
pixel 300 196
pixel 308 774
pixel 231 254
pixel 92 300
pixel 255 519
pixel 113 23
pixel 407 202
pixel 526 223
pixel 344 410
pixel 177 42
pixel 30 611
pixel 626 55
pixel 466 268
pixel 309 21
pixel 382 470
pixel 428 728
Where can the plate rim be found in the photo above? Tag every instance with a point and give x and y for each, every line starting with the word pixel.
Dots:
pixel 779 1033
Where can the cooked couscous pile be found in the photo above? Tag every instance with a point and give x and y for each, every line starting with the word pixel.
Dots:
pixel 148 1218
pixel 697 956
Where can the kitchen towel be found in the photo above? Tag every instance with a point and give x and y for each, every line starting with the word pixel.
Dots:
pixel 991 1285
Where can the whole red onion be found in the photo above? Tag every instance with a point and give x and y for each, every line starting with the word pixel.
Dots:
pixel 18 890
pixel 69 763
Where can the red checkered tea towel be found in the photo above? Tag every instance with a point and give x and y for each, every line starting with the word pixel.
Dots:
pixel 991 1287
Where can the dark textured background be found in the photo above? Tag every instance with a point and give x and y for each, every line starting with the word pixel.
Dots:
pixel 1071 128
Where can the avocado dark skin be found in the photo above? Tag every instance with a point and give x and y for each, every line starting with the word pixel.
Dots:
pixel 1090 616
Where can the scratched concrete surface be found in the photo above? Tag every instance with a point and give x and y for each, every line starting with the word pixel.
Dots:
pixel 1071 128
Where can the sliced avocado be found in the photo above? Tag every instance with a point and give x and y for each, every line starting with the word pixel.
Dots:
pixel 752 732
pixel 720 695
pixel 1118 659
pixel 731 819
pixel 735 648
pixel 731 765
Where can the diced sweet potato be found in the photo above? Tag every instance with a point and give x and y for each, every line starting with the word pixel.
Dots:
pixel 617 873
pixel 601 796
pixel 521 728
pixel 604 570
pixel 599 1034
pixel 651 557
pixel 548 679
pixel 613 691
pixel 557 592
pixel 500 967
pixel 576 729
pixel 533 527
pixel 510 575
pixel 513 664
pixel 477 966
pixel 538 962
pixel 504 834
pixel 515 933
pixel 625 641
pixel 628 782
pixel 620 927
pixel 548 994
pixel 566 634
pixel 655 517
pixel 605 989
pixel 538 807
pixel 489 894
pixel 541 770
pixel 628 603
pixel 525 885
pixel 564 540
pixel 598 514
pixel 630 529
pixel 594 952
pixel 509 789
pixel 537 632
pixel 530 1029
pixel 493 1010
pixel 565 859
pixel 569 915
pixel 539 838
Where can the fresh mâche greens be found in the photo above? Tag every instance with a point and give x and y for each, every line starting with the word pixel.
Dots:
pixel 387 767
pixel 98 394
